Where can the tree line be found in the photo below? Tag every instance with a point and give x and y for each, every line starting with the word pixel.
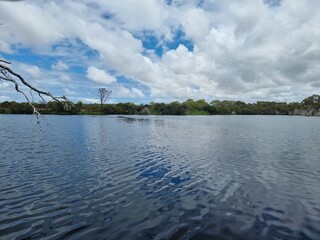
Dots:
pixel 309 106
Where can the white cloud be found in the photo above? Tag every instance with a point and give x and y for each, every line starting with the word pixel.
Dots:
pixel 4 98
pixel 137 93
pixel 5 47
pixel 88 100
pixel 32 70
pixel 130 12
pixel 245 49
pixel 65 78
pixel 29 22
pixel 60 66
pixel 119 91
pixel 69 92
pixel 99 76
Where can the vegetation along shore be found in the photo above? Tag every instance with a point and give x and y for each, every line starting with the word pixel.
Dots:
pixel 308 107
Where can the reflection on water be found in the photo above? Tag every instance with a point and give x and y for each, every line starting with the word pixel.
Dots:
pixel 219 177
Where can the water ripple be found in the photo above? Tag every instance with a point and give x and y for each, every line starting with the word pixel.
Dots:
pixel 217 177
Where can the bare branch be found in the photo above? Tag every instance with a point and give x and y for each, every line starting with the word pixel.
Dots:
pixel 7 74
pixel 24 82
pixel 4 61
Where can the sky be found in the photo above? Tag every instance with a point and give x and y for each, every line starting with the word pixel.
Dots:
pixel 164 50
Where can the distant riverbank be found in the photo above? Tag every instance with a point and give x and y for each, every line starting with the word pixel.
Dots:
pixel 308 107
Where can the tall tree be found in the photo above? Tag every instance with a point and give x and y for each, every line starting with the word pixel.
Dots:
pixel 103 95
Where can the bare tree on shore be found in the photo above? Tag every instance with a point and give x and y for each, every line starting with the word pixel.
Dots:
pixel 103 95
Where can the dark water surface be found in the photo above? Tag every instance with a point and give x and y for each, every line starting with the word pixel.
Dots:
pixel 219 177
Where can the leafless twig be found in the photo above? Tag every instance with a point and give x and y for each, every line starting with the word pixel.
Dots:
pixel 7 74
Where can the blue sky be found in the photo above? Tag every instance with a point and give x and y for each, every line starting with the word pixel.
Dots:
pixel 160 50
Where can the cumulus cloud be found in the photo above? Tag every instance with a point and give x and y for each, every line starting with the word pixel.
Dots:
pixel 69 92
pixel 32 70
pixel 246 50
pixel 60 66
pixel 99 76
pixel 65 78
pixel 119 91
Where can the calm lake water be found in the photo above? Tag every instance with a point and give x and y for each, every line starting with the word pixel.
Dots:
pixel 202 177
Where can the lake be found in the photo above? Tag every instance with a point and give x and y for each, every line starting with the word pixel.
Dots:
pixel 160 177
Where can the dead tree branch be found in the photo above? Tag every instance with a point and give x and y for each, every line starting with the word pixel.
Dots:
pixel 8 75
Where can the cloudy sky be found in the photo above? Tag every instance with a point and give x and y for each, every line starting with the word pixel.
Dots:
pixel 164 50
